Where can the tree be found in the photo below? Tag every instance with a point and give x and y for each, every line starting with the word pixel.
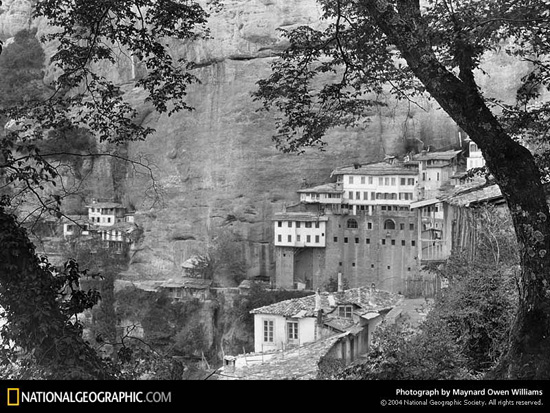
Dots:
pixel 39 302
pixel 436 47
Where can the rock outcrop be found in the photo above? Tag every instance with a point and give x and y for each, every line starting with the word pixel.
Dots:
pixel 217 167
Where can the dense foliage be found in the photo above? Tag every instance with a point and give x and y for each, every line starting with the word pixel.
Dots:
pixel 332 74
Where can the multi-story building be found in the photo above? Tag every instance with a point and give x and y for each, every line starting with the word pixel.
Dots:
pixel 378 223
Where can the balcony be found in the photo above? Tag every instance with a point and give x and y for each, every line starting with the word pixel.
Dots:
pixel 433 250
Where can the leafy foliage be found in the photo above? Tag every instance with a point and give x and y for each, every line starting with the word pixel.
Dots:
pixel 41 305
pixel 21 70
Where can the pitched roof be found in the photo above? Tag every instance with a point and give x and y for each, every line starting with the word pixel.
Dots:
pixel 365 298
pixel 465 195
pixel 300 363
pixel 325 189
pixel 104 205
pixel 376 169
pixel 298 216
pixel 445 155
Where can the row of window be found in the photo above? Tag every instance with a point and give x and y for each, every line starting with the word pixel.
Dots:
pixel 298 238
pixel 382 181
pixel 403 196
pixel 388 224
pixel 317 196
pixel 372 266
pixel 292 330
pixel 101 219
pixel 382 241
pixel 307 224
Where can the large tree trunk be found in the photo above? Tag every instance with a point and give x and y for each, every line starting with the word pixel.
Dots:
pixel 514 170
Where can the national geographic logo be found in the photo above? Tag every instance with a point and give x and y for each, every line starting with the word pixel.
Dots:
pixel 13 397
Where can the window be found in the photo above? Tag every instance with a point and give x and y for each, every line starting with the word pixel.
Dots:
pixel 297 224
pixel 401 226
pixel 387 181
pixel 357 240
pixel 357 195
pixel 317 224
pixel 372 265
pixel 365 196
pixel 383 241
pixel 437 179
pixel 411 227
pixel 413 243
pixel 279 238
pixel 345 311
pixel 373 195
pixel 389 224
pixel 298 238
pixel 345 240
pixel 352 223
pixel 369 225
pixel 368 240
pixel 423 176
pixel 394 196
pixel 290 224
pixel 350 195
pixel 308 224
pixel 380 181
pixel 351 179
pixel 389 267
pixel 370 180
pixel 403 181
pixel 335 239
pixel 411 181
pixel 362 179
pixel 268 331
pixel 280 224
pixel 393 181
pixel 292 328
pixel 317 239
pixel 353 264
pixel 392 242
pixel 403 243
pixel 290 238
pixel 308 238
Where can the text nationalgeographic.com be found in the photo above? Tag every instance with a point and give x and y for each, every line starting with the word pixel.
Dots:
pixel 16 397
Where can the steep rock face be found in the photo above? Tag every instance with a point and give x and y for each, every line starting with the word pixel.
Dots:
pixel 15 15
pixel 216 167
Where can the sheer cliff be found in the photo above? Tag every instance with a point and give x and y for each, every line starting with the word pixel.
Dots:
pixel 216 167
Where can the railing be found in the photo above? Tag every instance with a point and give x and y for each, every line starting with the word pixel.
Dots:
pixel 433 250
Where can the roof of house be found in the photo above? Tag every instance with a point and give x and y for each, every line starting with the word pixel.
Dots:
pixel 299 216
pixel 365 298
pixel 376 169
pixel 466 195
pixel 104 205
pixel 297 363
pixel 444 155
pixel 326 188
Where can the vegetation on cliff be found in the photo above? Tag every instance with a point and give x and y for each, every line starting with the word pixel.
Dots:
pixel 438 48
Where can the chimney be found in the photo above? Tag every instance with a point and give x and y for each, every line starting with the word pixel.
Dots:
pixel 340 283
pixel 318 310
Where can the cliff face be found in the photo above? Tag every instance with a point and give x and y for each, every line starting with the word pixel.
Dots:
pixel 216 167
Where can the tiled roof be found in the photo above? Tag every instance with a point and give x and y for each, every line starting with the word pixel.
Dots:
pixel 376 169
pixel 364 297
pixel 105 205
pixel 300 363
pixel 464 195
pixel 299 216
pixel 324 189
pixel 446 155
